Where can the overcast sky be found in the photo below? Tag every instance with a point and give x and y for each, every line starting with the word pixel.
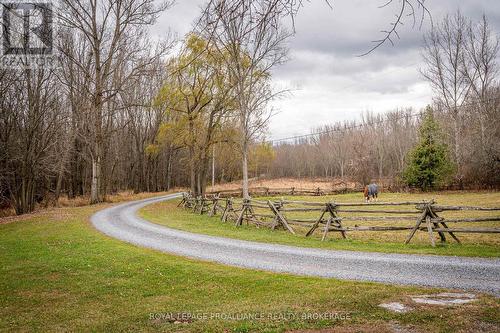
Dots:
pixel 329 82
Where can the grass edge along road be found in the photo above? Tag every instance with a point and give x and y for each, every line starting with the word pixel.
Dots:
pixel 166 213
pixel 59 273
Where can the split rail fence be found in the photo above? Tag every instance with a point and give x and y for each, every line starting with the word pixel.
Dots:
pixel 266 191
pixel 334 216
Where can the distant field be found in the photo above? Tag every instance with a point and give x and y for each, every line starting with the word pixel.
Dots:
pixel 306 183
pixel 481 245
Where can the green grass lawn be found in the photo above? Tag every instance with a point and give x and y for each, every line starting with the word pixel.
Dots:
pixel 58 273
pixel 474 245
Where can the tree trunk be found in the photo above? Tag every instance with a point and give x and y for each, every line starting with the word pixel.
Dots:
pixel 213 166
pixel 458 148
pixel 97 108
pixel 59 182
pixel 203 175
pixel 25 197
pixel 96 179
pixel 60 173
pixel 198 182
pixel 95 186
pixel 192 171
pixel 380 168
pixel 202 180
pixel 169 170
pixel 244 169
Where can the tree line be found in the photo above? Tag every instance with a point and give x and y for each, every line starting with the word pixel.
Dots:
pixel 80 128
pixel 123 111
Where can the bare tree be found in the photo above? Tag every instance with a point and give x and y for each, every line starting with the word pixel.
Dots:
pixel 414 9
pixel 251 38
pixel 481 68
pixel 444 55
pixel 115 33
pixel 30 115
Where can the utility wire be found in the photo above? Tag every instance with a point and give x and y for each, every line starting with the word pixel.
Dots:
pixel 341 129
pixel 346 128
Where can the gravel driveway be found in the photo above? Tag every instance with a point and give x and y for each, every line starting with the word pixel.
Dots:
pixel 424 270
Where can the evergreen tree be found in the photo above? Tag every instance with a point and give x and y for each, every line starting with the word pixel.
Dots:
pixel 428 163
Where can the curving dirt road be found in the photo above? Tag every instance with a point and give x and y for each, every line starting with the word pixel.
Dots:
pixel 425 270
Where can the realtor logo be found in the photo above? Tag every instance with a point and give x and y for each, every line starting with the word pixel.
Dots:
pixel 27 32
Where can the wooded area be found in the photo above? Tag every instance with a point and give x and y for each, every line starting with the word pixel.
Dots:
pixel 124 111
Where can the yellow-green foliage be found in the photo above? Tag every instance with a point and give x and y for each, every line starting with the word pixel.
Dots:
pixel 196 98
pixel 261 157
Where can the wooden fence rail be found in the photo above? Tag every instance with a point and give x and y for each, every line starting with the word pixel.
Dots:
pixel 331 215
pixel 267 191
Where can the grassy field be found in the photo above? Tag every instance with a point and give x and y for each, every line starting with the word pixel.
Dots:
pixel 479 245
pixel 58 273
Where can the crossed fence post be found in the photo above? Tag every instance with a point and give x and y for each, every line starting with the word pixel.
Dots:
pixel 333 220
pixel 432 220
pixel 215 203
pixel 228 209
pixel 428 219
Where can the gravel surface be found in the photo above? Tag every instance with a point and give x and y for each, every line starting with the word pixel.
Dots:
pixel 424 270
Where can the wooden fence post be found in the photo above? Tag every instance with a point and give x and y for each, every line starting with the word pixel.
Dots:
pixel 202 204
pixel 279 217
pixel 333 219
pixel 420 219
pixel 278 206
pixel 244 207
pixel 318 221
pixel 327 228
pixel 331 209
pixel 432 221
pixel 196 201
pixel 225 210
pixel 429 230
pixel 228 209
pixel 215 202
pixel 440 220
pixel 181 203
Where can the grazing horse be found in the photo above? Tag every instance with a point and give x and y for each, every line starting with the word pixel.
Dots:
pixel 371 191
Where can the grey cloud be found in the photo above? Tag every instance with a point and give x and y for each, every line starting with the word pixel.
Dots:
pixel 330 83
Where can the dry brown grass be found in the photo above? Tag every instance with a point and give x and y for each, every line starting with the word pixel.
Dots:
pixel 9 215
pixel 309 183
pixel 112 198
